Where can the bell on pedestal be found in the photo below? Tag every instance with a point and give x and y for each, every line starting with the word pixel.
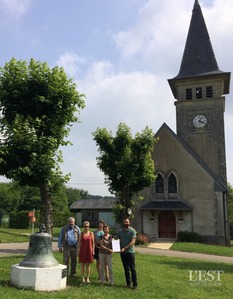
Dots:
pixel 40 253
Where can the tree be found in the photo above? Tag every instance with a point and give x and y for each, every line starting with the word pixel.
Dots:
pixel 230 208
pixel 9 199
pixel 127 164
pixel 37 107
pixel 74 194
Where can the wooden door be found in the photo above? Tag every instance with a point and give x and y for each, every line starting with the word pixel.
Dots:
pixel 167 224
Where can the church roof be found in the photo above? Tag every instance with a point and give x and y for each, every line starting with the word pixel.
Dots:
pixel 166 205
pixel 219 186
pixel 92 204
pixel 198 57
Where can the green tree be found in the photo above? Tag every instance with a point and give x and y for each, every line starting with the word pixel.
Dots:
pixel 74 194
pixel 9 199
pixel 230 208
pixel 127 164
pixel 37 107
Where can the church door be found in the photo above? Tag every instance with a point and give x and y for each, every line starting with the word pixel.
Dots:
pixel 167 224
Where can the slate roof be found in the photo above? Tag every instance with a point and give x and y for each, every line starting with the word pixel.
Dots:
pixel 198 57
pixel 92 204
pixel 166 205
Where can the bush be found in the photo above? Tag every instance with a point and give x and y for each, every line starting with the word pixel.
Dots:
pixel 19 219
pixel 185 236
pixel 60 218
pixel 231 230
pixel 142 239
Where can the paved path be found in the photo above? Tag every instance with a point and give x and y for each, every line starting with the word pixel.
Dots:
pixel 8 249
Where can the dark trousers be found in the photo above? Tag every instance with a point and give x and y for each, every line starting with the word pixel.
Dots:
pixel 128 261
pixel 70 253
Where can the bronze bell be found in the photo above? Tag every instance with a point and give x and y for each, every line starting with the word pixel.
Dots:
pixel 40 253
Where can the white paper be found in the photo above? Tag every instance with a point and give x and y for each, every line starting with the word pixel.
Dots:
pixel 116 246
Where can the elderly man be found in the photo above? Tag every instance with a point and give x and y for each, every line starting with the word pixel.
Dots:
pixel 68 243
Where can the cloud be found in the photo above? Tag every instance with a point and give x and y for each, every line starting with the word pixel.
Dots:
pixel 15 8
pixel 70 62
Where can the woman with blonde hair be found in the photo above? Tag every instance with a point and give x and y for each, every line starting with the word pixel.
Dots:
pixel 86 251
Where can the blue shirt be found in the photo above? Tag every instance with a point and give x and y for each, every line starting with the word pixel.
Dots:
pixel 71 240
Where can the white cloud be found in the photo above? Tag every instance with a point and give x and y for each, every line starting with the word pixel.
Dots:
pixel 15 8
pixel 70 62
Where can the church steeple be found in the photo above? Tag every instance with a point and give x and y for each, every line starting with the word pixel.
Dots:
pixel 198 57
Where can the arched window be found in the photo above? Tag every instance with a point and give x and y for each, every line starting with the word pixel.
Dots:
pixel 172 184
pixel 159 184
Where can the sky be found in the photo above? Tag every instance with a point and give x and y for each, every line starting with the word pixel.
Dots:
pixel 120 53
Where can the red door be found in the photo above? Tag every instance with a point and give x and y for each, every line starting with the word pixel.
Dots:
pixel 167 224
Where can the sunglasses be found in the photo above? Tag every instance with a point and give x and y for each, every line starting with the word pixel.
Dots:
pixel 86 226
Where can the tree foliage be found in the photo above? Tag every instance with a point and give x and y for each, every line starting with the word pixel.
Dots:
pixel 37 107
pixel 230 208
pixel 126 162
pixel 75 194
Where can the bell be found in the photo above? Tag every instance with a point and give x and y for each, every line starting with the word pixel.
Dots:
pixel 40 253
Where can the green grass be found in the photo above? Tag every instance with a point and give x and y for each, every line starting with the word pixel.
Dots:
pixel 158 277
pixel 203 248
pixel 12 235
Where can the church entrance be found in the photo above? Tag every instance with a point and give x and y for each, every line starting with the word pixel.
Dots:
pixel 167 224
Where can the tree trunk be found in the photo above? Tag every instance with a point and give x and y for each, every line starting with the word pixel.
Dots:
pixel 46 208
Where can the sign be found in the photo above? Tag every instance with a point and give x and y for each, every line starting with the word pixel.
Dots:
pixel 116 246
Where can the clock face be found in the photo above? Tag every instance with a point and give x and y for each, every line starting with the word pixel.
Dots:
pixel 199 121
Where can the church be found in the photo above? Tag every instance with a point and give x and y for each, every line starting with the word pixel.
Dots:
pixel 190 190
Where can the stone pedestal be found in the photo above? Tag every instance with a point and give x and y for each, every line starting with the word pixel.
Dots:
pixel 39 279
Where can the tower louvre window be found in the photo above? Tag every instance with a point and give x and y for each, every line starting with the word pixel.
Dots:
pixel 189 94
pixel 198 93
pixel 209 91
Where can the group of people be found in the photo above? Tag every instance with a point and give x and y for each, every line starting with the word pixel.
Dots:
pixel 87 246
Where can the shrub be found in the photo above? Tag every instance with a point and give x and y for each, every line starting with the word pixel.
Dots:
pixel 231 230
pixel 19 219
pixel 185 236
pixel 142 239
pixel 60 218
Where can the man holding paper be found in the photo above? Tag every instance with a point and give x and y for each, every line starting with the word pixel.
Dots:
pixel 127 236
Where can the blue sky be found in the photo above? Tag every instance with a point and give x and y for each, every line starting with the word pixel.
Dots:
pixel 120 53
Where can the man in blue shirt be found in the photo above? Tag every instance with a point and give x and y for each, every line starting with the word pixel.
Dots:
pixel 68 243
pixel 127 236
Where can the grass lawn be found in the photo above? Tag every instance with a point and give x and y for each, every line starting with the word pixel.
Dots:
pixel 158 277
pixel 203 248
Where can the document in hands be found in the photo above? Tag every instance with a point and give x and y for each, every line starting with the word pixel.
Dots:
pixel 116 246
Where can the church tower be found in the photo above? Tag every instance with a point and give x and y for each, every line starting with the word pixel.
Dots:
pixel 198 89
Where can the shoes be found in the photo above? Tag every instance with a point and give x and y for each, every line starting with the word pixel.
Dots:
pixel 128 286
pixel 107 278
pixel 135 288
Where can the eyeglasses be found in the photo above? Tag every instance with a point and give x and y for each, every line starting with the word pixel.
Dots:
pixel 86 226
